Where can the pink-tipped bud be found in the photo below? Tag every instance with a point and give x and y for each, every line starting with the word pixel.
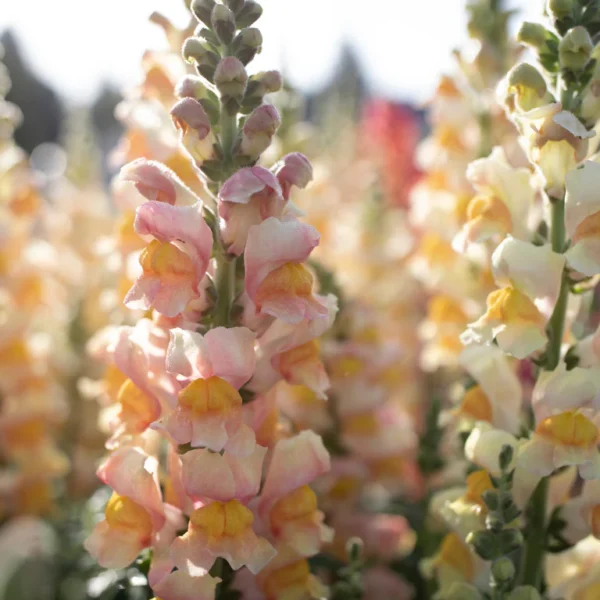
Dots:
pixel 231 78
pixel 259 130
pixel 191 86
pixel 191 120
pixel 294 169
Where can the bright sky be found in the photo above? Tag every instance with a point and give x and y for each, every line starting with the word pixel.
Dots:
pixel 403 44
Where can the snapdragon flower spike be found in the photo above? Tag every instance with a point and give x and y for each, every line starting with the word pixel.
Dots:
pixel 292 351
pixel 154 181
pixel 174 264
pixel 247 198
pixel 518 312
pixel 134 514
pixel 276 280
pixel 208 411
pixel 582 218
pixel 505 197
pixel 191 120
pixel 287 505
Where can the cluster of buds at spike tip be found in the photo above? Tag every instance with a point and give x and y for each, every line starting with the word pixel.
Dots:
pixel 223 45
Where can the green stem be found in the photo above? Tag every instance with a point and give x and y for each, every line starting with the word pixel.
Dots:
pixel 225 284
pixel 228 130
pixel 533 563
pixel 226 266
pixel 556 324
pixel 535 549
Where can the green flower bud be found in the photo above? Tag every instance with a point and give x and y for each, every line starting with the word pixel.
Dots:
pixel 510 539
pixel 575 49
pixel 223 22
pixel 524 592
pixel 202 10
pixel 247 44
pixel 235 5
pixel 491 499
pixel 197 52
pixel 484 543
pixel 503 570
pixel 462 591
pixel 494 522
pixel 249 14
pixel 559 9
pixel 533 34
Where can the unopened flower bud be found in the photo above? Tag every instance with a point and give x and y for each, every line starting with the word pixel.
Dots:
pixel 247 44
pixel 575 49
pixel 191 86
pixel 462 591
pixel 510 539
pixel 490 498
pixel 271 80
pixel 559 9
pixel 199 52
pixel 231 79
pixel 249 14
pixel 235 5
pixel 524 592
pixel 202 10
pixel 526 88
pixel 503 570
pixel 533 34
pixel 259 130
pixel 294 169
pixel 223 22
pixel 190 118
pixel 260 84
pixel 484 543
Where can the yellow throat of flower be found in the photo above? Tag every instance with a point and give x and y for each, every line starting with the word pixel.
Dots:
pixel 509 305
pixel 281 583
pixel 122 512
pixel 456 555
pixel 569 428
pixel 288 280
pixel 209 395
pixel 299 504
pixel 478 482
pixel 476 405
pixel 166 260
pixel 222 519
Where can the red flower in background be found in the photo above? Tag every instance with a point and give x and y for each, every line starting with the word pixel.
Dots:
pixel 392 132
